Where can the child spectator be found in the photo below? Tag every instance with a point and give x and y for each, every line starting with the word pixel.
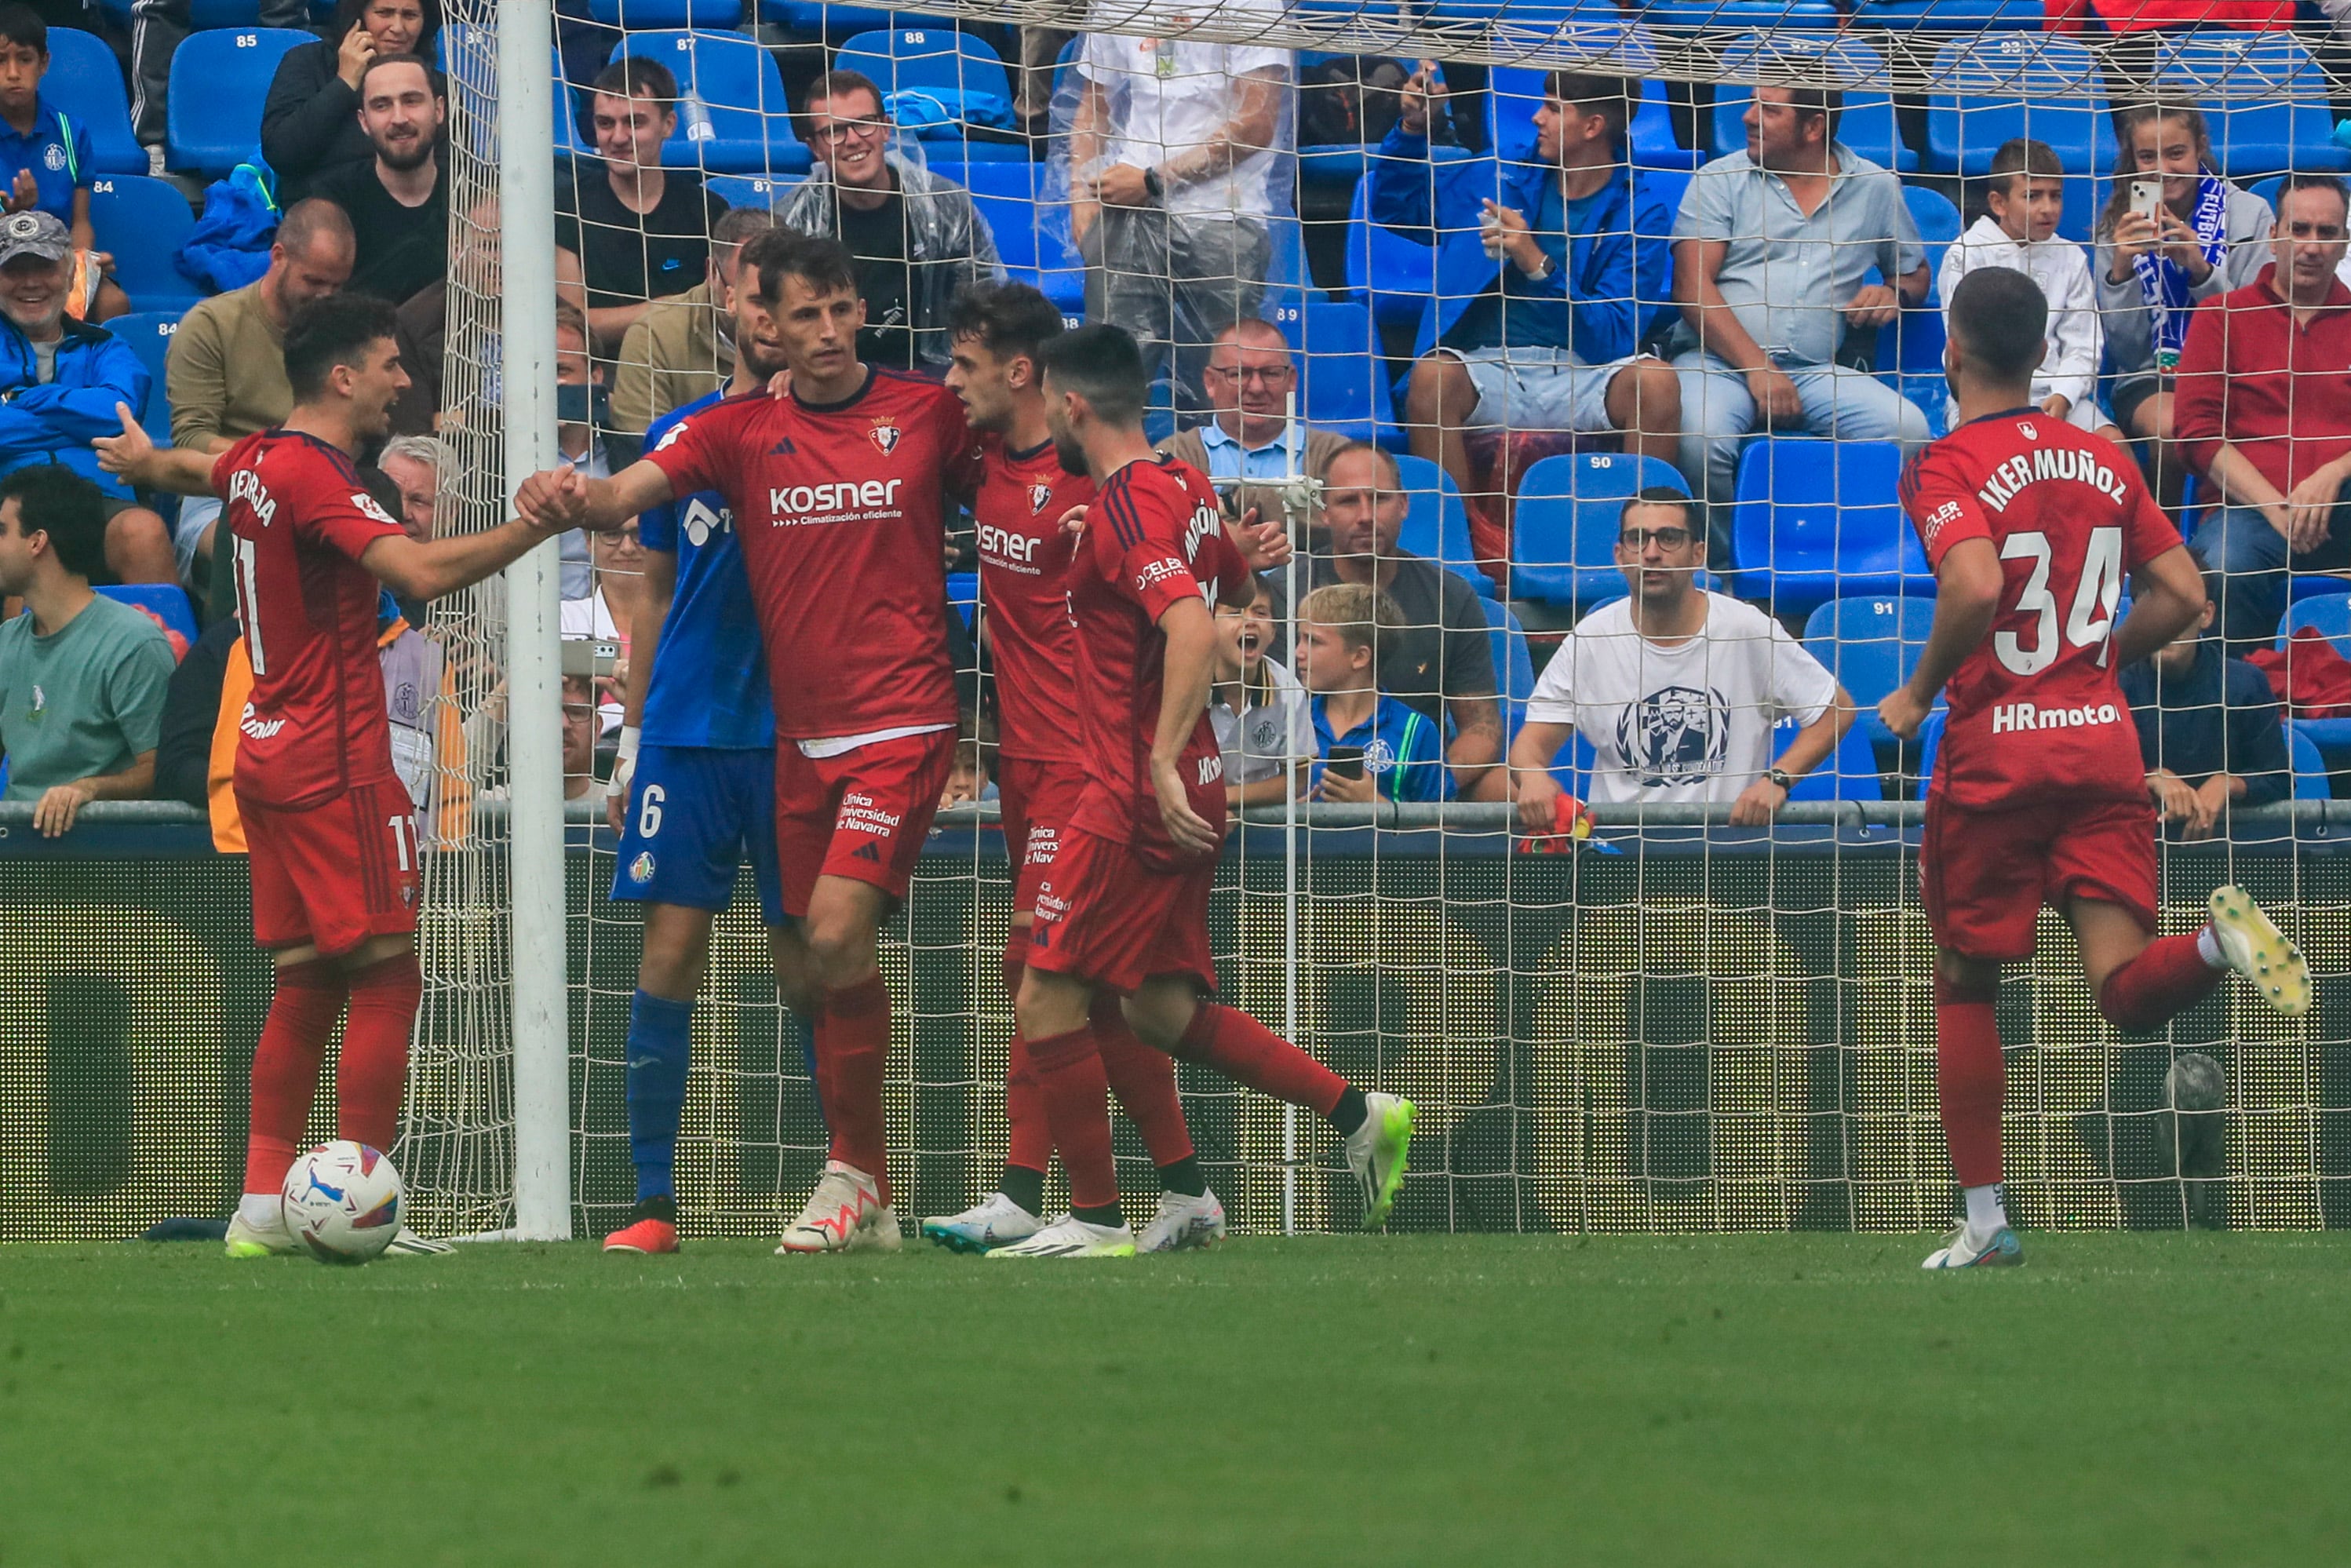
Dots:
pixel 1369 745
pixel 1258 708
pixel 968 776
pixel 2207 728
pixel 2023 199
pixel 46 161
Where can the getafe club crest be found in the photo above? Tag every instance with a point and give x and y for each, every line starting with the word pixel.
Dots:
pixel 640 869
pixel 1039 493
pixel 885 436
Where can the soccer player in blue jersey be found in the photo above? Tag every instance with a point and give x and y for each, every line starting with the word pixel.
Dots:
pixel 695 792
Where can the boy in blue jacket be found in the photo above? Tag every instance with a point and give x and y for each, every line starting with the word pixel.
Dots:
pixel 46 162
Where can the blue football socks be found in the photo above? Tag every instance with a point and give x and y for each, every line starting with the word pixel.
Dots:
pixel 661 1036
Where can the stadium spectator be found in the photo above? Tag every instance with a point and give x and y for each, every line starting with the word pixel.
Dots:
pixel 1367 745
pixel 1171 153
pixel 2263 413
pixel 1772 252
pixel 2024 197
pixel 1438 653
pixel 584 435
pixel 46 161
pixel 60 380
pixel 640 231
pixel 1677 689
pixel 311 121
pixel 398 201
pixel 226 373
pixel 582 728
pixel 1249 446
pixel 2206 238
pixel 682 349
pixel 1263 728
pixel 82 676
pixel 915 235
pixel 1544 292
pixel 423 321
pixel 411 465
pixel 969 780
pixel 2208 729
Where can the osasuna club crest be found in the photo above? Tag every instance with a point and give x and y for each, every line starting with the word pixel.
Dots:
pixel 1039 493
pixel 885 436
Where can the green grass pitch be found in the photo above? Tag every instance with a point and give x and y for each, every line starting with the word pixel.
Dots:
pixel 2127 1399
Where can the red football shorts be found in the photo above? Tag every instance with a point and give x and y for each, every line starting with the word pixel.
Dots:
pixel 1103 916
pixel 334 874
pixel 1038 800
pixel 862 814
pixel 1984 875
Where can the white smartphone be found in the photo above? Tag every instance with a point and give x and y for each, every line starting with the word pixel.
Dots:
pixel 2146 196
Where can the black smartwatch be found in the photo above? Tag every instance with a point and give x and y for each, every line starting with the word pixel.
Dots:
pixel 1152 186
pixel 1781 777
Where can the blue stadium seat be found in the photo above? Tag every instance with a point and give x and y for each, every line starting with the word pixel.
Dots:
pixel 1913 360
pixel 1437 525
pixel 1868 125
pixel 1514 668
pixel 749 190
pixel 719 15
pixel 2328 614
pixel 1745 15
pixel 1032 239
pixel 1341 386
pixel 834 21
pixel 732 117
pixel 1817 519
pixel 143 222
pixel 1952 15
pixel 450 43
pixel 212 116
pixel 1390 273
pixel 1563 548
pixel 2264 100
pixel 963 592
pixel 149 333
pixel 1871 644
pixel 86 81
pixel 1938 222
pixel 1849 773
pixel 941 60
pixel 2310 777
pixel 1930 745
pixel 166 601
pixel 1991 89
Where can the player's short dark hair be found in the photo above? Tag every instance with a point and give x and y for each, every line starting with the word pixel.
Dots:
pixel 53 499
pixel 431 77
pixel 636 76
pixel 1101 364
pixel 2331 183
pixel 818 260
pixel 2001 320
pixel 23 25
pixel 1011 320
pixel 1611 97
pixel 337 330
pixel 1657 495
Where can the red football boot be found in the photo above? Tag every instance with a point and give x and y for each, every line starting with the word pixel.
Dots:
pixel 653 1228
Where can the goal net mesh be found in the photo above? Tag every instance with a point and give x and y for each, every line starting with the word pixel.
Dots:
pixel 1664 1028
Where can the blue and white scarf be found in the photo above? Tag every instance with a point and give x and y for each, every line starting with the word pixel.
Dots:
pixel 2163 282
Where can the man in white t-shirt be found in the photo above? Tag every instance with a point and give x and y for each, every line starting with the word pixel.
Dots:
pixel 1677 689
pixel 1171 161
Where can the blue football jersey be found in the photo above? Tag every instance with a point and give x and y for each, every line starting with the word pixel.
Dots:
pixel 710 678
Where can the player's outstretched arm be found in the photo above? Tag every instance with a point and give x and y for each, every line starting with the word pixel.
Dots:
pixel 443 566
pixel 134 457
pixel 2167 598
pixel 1968 585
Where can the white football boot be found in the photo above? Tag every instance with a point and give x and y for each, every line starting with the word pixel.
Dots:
pixel 1069 1236
pixel 2258 950
pixel 994 1221
pixel 1182 1222
pixel 248 1240
pixel 2003 1251
pixel 1376 1153
pixel 844 1214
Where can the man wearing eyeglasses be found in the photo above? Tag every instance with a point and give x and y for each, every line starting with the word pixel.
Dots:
pixel 1677 689
pixel 915 237
pixel 1249 446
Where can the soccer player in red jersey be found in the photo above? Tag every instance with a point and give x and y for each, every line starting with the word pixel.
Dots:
pixel 839 492
pixel 329 824
pixel 2038 794
pixel 995 332
pixel 1124 908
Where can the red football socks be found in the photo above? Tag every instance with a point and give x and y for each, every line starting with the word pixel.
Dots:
pixel 373 1073
pixel 1969 1080
pixel 1144 1081
pixel 2168 977
pixel 853 1045
pixel 302 1014
pixel 1029 1143
pixel 1076 1092
pixel 1248 1052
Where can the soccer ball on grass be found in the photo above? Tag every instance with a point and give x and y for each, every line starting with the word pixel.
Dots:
pixel 342 1202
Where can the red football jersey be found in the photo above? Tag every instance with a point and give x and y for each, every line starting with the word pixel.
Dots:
pixel 1024 561
pixel 2035 712
pixel 1154 536
pixel 298 519
pixel 841 511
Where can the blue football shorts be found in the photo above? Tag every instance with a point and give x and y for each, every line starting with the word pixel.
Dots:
pixel 695 814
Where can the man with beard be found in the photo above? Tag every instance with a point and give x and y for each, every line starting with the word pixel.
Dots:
pixel 399 202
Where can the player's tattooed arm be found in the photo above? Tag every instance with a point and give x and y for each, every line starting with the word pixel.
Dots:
pixel 134 457
pixel 1968 585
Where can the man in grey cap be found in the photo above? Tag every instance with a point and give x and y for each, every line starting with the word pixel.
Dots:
pixel 59 380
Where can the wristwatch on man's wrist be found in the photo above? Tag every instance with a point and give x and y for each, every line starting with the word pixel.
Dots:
pixel 1781 777
pixel 1153 187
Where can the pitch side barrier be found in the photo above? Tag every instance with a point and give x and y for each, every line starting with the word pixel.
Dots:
pixel 1678 1026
